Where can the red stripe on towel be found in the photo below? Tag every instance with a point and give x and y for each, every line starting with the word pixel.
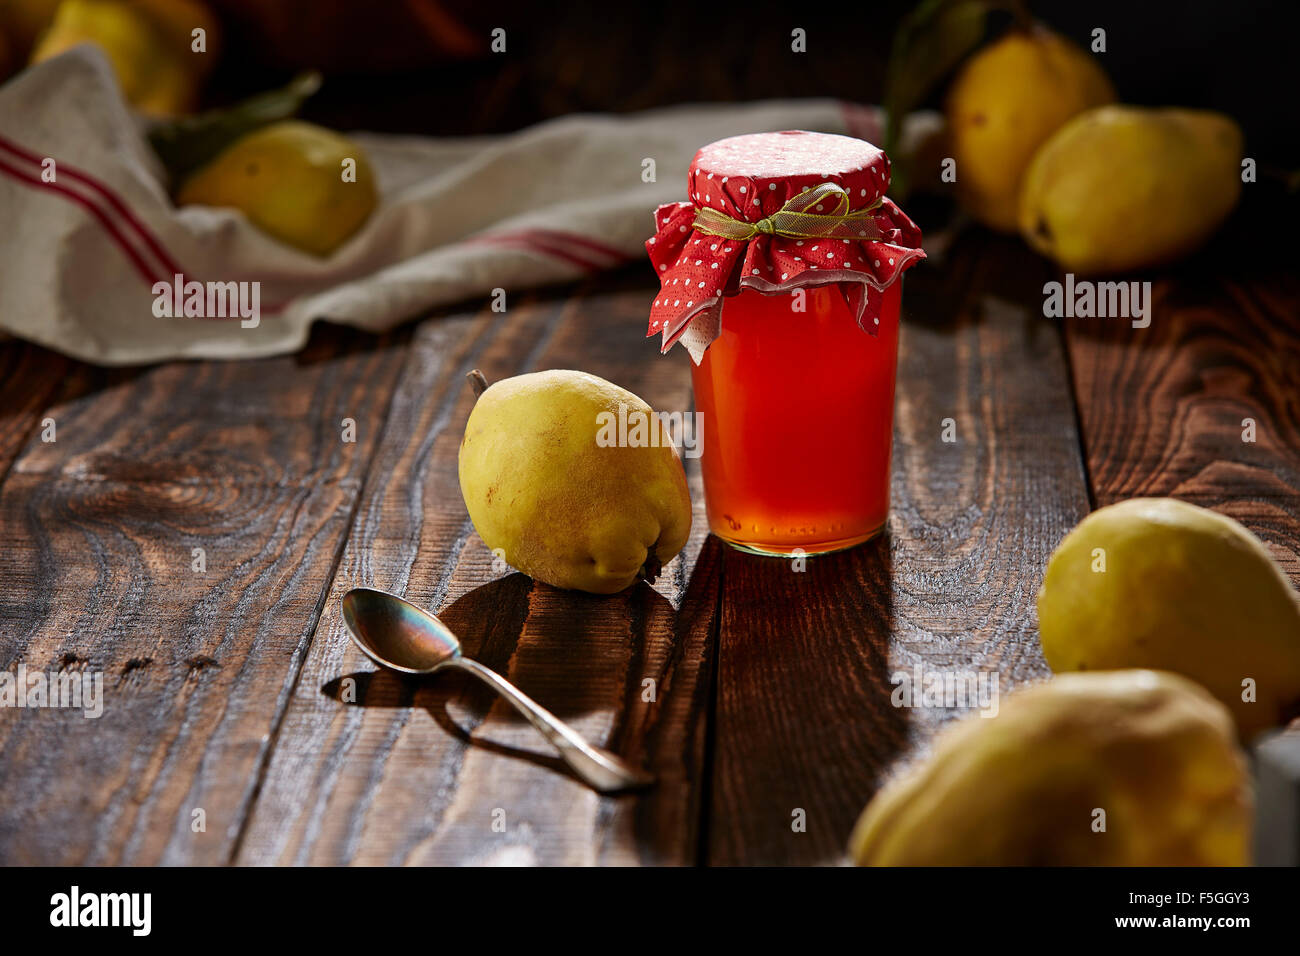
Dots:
pixel 148 269
pixel 132 253
pixel 120 207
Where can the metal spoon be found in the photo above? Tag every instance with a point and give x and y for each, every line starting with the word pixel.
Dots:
pixel 400 636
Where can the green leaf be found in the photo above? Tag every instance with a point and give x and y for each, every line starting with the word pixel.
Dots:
pixel 187 143
pixel 930 42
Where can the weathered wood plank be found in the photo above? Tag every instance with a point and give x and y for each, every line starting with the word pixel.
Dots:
pixel 244 460
pixel 419 772
pixel 804 718
pixel 29 378
pixel 1164 409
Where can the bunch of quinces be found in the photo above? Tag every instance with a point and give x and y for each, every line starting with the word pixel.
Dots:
pixel 1038 144
pixel 303 185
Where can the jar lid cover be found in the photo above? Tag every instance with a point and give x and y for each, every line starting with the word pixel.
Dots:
pixel 776 212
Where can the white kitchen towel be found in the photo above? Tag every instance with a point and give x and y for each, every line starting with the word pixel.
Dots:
pixel 457 218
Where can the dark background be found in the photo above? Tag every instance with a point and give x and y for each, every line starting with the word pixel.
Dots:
pixel 422 66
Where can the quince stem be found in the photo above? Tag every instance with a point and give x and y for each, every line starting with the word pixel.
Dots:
pixel 478 380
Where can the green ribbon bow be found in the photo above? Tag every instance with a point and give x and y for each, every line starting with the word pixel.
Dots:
pixel 793 220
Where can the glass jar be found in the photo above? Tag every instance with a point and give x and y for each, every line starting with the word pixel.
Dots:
pixel 783 279
pixel 797 422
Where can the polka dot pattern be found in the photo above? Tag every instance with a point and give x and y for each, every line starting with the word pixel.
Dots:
pixel 750 177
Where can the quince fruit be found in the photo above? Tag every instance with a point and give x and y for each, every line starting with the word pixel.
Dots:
pixel 1004 103
pixel 1123 187
pixel 147 42
pixel 1120 768
pixel 287 178
pixel 1156 582
pixel 565 493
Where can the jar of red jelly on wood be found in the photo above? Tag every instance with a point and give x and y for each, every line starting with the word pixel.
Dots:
pixel 782 277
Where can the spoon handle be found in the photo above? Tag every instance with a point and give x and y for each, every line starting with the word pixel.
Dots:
pixel 601 769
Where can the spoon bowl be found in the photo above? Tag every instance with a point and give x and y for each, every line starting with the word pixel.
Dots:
pixel 396 634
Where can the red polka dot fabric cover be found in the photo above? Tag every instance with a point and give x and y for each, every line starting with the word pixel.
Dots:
pixel 749 178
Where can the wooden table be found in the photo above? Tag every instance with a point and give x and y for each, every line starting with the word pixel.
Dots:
pixel 227 689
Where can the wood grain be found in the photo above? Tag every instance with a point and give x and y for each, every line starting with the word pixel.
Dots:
pixel 1162 408
pixel 439 771
pixel 244 460
pixel 804 720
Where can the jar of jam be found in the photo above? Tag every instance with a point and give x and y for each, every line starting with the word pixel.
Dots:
pixel 782 277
